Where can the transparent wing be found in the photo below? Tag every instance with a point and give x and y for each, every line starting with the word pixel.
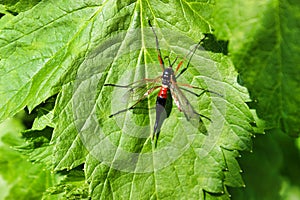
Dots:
pixel 139 88
pixel 183 103
pixel 185 106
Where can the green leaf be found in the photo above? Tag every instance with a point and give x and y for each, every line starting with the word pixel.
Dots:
pixel 24 180
pixel 16 6
pixel 73 185
pixel 83 45
pixel 44 116
pixel 264 45
pixel 31 182
pixel 122 160
pixel 37 146
pixel 36 52
pixel 69 152
pixel 274 161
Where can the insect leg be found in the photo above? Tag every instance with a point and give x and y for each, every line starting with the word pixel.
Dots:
pixel 198 88
pixel 157 48
pixel 145 80
pixel 183 103
pixel 171 64
pixel 137 102
pixel 192 52
pixel 202 116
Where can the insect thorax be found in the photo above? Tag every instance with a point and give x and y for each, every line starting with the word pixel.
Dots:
pixel 166 77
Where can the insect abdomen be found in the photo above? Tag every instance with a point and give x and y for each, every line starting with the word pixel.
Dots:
pixel 163 93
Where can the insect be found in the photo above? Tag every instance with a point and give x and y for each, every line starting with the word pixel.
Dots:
pixel 167 83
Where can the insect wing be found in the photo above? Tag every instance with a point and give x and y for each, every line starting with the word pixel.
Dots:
pixel 140 88
pixel 185 106
pixel 182 102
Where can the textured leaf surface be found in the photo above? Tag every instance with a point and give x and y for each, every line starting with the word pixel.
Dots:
pixel 30 183
pixel 122 161
pixel 16 6
pixel 73 185
pixel 36 51
pixel 83 45
pixel 265 47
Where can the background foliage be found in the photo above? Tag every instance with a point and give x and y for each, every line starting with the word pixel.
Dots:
pixel 44 43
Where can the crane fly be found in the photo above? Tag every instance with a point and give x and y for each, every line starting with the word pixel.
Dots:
pixel 167 83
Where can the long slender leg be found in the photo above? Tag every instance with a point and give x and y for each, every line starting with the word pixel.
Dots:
pixel 171 64
pixel 192 52
pixel 198 88
pixel 137 102
pixel 162 65
pixel 174 61
pixel 154 80
pixel 183 103
pixel 200 115
pixel 167 57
